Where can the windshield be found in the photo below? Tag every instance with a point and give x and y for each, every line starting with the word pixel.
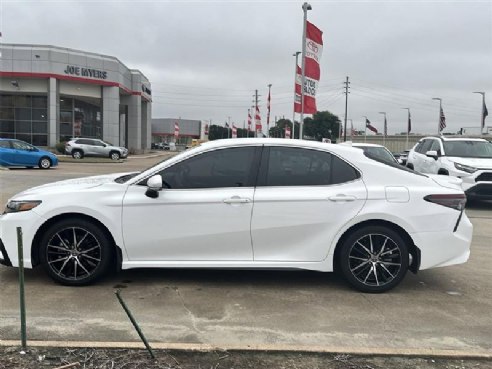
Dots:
pixel 468 149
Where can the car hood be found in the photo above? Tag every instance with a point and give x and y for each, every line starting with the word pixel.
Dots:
pixel 479 163
pixel 446 181
pixel 70 185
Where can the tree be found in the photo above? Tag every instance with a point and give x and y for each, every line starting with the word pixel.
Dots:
pixel 279 129
pixel 218 132
pixel 323 124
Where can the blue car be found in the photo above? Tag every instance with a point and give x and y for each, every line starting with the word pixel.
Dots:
pixel 16 153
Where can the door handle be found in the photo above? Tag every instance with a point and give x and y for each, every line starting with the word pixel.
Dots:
pixel 342 197
pixel 236 200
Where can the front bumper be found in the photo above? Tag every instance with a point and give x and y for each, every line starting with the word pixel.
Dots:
pixel 445 248
pixel 478 185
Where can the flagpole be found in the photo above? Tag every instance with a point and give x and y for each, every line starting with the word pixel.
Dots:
pixel 408 127
pixel 268 113
pixel 305 8
pixel 296 54
pixel 385 128
pixel 439 115
pixel 365 128
pixel 482 121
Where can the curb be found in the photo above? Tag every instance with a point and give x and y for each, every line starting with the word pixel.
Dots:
pixel 361 351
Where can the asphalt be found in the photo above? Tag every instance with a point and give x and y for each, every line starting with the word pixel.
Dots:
pixel 443 311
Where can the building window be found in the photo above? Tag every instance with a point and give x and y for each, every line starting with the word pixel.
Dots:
pixel 80 117
pixel 24 117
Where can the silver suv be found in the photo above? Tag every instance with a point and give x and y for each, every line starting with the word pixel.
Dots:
pixel 80 147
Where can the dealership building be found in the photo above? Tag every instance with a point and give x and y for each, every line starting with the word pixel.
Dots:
pixel 49 94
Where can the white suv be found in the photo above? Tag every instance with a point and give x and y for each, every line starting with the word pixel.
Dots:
pixel 80 147
pixel 467 158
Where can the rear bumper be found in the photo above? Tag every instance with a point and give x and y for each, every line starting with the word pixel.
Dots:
pixel 446 247
pixel 481 190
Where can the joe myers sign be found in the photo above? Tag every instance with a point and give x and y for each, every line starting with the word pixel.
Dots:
pixel 85 72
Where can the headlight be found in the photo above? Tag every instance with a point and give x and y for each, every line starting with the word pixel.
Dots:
pixel 16 206
pixel 465 168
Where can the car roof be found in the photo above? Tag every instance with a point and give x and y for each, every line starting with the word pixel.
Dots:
pixel 281 142
pixel 444 138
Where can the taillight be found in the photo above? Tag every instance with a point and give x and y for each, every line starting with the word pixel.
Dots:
pixel 457 201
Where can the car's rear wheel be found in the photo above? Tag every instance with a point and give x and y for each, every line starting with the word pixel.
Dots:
pixel 75 252
pixel 44 163
pixel 410 166
pixel 374 259
pixel 114 155
pixel 77 154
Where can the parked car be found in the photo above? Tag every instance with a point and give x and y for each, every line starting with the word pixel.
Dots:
pixel 16 153
pixel 316 206
pixel 469 159
pixel 80 147
pixel 376 152
pixel 403 157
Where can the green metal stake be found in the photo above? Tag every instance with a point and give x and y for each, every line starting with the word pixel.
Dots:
pixel 137 328
pixel 20 253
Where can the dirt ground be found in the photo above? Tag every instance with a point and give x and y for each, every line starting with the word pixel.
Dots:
pixel 36 358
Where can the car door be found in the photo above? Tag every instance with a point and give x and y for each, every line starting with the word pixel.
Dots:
pixel 202 214
pixel 6 152
pixel 302 199
pixel 434 164
pixel 420 159
pixel 24 154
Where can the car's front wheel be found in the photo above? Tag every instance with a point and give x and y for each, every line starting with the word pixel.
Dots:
pixel 77 154
pixel 44 163
pixel 75 252
pixel 114 155
pixel 374 259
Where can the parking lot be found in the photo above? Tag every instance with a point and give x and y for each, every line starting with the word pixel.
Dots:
pixel 439 309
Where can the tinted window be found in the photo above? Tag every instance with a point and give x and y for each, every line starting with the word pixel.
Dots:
pixel 19 145
pixel 436 146
pixel 426 144
pixel 378 153
pixel 221 168
pixel 302 167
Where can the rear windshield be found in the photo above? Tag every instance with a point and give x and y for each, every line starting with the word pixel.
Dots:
pixel 468 149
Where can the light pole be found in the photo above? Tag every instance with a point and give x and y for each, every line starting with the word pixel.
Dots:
pixel 439 117
pixel 296 54
pixel 305 8
pixel 482 120
pixel 351 129
pixel 385 129
pixel 408 126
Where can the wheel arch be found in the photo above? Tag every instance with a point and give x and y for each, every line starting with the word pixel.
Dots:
pixel 412 248
pixel 40 232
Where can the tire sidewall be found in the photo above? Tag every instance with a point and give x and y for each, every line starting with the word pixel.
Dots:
pixel 97 232
pixel 74 154
pixel 343 260
pixel 43 160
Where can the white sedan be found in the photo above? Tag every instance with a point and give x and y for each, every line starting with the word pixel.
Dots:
pixel 244 203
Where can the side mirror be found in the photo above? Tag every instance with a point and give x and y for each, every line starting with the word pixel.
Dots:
pixel 432 154
pixel 154 185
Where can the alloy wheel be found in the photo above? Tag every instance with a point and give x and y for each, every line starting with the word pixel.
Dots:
pixel 45 163
pixel 375 260
pixel 73 253
pixel 115 156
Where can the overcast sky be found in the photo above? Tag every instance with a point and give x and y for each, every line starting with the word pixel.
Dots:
pixel 205 59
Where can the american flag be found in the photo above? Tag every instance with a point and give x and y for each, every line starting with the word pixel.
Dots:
pixel 257 119
pixel 442 121
pixel 287 132
pixel 176 129
pixel 234 131
pixel 409 128
pixel 249 120
pixel 268 109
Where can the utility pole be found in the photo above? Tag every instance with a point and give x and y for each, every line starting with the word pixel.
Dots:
pixel 296 54
pixel 229 126
pixel 346 106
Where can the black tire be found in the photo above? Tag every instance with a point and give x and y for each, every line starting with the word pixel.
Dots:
pixel 377 268
pixel 410 166
pixel 75 252
pixel 44 163
pixel 443 172
pixel 114 155
pixel 77 154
